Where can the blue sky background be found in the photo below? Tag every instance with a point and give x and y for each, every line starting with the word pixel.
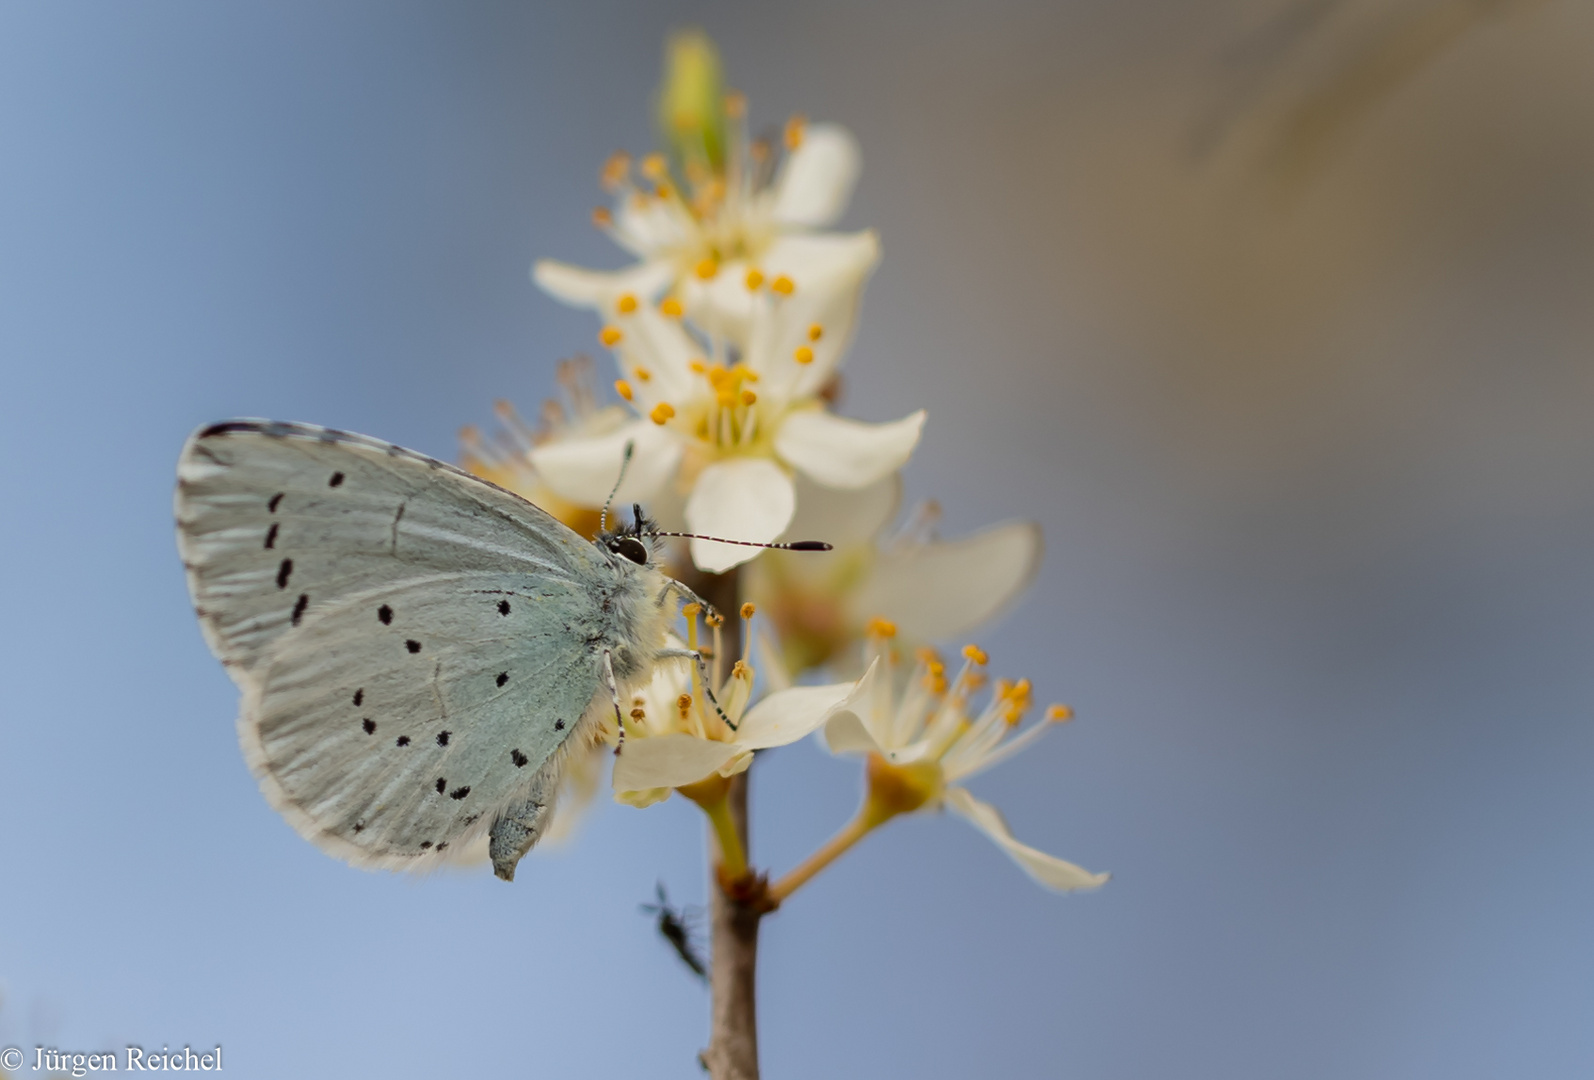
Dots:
pixel 1311 444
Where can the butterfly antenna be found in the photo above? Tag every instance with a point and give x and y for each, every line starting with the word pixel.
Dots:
pixel 625 463
pixel 792 545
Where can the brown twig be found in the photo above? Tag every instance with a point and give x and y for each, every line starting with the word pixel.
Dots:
pixel 735 907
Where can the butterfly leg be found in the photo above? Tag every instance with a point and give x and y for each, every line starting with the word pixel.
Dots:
pixel 671 585
pixel 702 669
pixel 519 825
pixel 614 693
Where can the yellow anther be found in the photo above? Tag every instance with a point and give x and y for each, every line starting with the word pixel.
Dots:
pixel 755 278
pixel 1059 714
pixel 783 285
pixel 803 355
pixel 671 307
pixel 623 388
pixel 601 217
pixel 938 684
pixel 740 670
pixel 707 269
pixel 794 132
pixel 644 374
pixel 815 332
pixel 714 620
pixel 661 413
pixel 881 628
pixel 639 714
pixel 976 654
pixel 653 167
pixel 626 304
pixel 725 399
pixel 615 168
pixel 748 397
pixel 662 190
pixel 690 611
pixel 610 336
pixel 748 609
pixel 698 367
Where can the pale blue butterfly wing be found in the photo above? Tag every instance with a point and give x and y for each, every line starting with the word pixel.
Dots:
pixel 415 646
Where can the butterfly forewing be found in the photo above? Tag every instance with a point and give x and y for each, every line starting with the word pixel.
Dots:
pixel 414 645
pixel 276 520
pixel 389 741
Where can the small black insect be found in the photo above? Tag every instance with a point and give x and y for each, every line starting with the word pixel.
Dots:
pixel 675 927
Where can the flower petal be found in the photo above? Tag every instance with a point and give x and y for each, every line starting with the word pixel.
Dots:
pixel 817 181
pixel 580 287
pixel 788 715
pixel 843 453
pixel 669 761
pixel 850 729
pixel 722 304
pixel 1049 870
pixel 844 517
pixel 944 588
pixel 739 499
pixel 584 470
pixel 828 273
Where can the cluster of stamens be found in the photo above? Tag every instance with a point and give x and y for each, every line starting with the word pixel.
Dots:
pixel 723 409
pixel 691 711
pixel 723 213
pixel 935 719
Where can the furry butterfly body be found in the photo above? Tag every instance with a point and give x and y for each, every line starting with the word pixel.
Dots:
pixel 417 649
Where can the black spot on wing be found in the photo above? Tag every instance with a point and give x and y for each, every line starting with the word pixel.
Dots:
pixel 425 844
pixel 359 696
pixel 403 740
pixel 284 572
pixel 518 758
pixel 443 845
pixel 385 614
pixel 369 725
pixel 442 737
pixel 558 725
pixel 503 605
pixel 503 677
pixel 271 536
pixel 337 478
pixel 441 784
pixel 359 826
pixel 459 793
pixel 412 645
pixel 271 507
pixel 298 608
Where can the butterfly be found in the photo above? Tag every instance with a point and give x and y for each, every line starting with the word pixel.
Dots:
pixel 418 650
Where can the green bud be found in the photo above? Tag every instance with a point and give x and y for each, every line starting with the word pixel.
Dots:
pixel 692 101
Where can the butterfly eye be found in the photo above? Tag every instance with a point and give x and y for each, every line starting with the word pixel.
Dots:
pixel 631 548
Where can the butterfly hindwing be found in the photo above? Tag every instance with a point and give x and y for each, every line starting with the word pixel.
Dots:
pixel 387 741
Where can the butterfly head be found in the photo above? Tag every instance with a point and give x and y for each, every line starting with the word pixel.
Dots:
pixel 636 542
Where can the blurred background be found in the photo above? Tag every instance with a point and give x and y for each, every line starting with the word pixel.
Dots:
pixel 1275 313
